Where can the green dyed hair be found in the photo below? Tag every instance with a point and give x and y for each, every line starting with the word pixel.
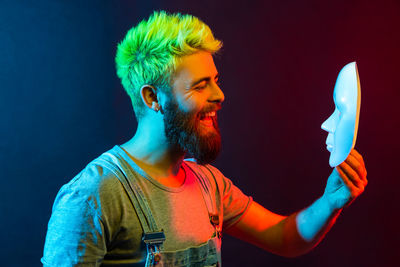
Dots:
pixel 150 51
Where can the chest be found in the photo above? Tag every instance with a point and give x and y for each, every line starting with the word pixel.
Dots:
pixel 182 214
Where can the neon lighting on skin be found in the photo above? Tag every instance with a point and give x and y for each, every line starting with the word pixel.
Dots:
pixel 151 51
pixel 342 128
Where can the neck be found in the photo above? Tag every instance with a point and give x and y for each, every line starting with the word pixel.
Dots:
pixel 150 150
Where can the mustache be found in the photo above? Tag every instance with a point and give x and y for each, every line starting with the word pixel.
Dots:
pixel 214 107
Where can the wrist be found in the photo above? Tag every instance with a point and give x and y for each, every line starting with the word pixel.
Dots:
pixel 330 205
pixel 313 221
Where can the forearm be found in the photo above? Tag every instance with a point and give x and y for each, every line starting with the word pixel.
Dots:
pixel 299 233
pixel 287 236
pixel 305 229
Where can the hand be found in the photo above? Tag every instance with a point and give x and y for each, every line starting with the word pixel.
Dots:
pixel 347 181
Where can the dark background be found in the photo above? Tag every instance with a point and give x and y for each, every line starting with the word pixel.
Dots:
pixel 61 105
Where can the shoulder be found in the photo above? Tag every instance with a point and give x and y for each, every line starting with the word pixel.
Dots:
pixel 211 173
pixel 96 185
pixel 207 168
pixel 193 163
pixel 96 177
pixel 214 175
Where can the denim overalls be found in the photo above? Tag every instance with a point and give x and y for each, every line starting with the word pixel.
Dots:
pixel 206 254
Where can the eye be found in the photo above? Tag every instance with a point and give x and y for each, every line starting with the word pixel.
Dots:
pixel 201 85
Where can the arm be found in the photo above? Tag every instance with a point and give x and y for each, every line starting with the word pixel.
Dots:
pixel 298 233
pixel 75 234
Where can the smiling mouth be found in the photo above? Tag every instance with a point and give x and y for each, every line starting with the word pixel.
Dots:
pixel 207 118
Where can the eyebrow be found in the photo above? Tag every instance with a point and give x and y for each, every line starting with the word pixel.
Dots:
pixel 207 79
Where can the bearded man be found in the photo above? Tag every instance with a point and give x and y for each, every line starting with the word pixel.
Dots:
pixel 142 203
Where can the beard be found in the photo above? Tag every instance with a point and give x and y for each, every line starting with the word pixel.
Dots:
pixel 182 130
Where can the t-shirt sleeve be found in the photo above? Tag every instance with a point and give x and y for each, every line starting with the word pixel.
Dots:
pixel 234 202
pixel 75 234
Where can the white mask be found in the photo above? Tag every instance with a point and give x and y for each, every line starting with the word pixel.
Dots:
pixel 342 125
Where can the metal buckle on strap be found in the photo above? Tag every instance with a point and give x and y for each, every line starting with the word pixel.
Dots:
pixel 214 219
pixel 154 238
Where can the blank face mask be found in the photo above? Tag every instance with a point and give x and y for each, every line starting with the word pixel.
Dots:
pixel 342 125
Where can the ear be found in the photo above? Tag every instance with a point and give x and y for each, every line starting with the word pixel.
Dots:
pixel 149 97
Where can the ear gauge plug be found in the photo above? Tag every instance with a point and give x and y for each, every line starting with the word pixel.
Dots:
pixel 155 106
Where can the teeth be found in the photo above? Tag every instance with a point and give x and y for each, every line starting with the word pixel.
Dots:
pixel 210 114
pixel 207 115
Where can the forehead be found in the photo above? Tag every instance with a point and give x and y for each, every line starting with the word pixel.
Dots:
pixel 195 66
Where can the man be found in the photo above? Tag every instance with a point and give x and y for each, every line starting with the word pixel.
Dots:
pixel 142 204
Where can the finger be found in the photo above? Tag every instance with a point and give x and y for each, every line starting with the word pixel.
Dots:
pixel 352 175
pixel 354 191
pixel 346 180
pixel 360 159
pixel 356 165
pixel 358 156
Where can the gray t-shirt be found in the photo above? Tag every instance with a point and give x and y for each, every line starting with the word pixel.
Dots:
pixel 93 220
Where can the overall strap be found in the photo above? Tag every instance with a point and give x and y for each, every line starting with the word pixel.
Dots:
pixel 207 190
pixel 134 195
pixel 153 237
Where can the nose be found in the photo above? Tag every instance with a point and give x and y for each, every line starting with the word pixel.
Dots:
pixel 217 96
pixel 329 124
pixel 324 125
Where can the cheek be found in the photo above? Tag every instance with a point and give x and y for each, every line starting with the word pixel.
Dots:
pixel 190 105
pixel 343 137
